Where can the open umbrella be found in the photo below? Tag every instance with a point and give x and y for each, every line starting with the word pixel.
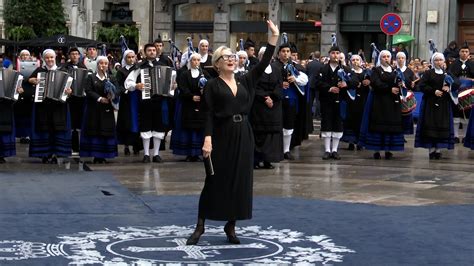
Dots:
pixel 402 38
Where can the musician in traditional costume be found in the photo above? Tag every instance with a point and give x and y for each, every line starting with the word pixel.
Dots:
pixel 249 47
pixel 332 92
pixel 355 107
pixel 51 122
pixel 241 67
pixel 128 133
pixel 465 74
pixel 76 102
pixel 303 120
pixel 188 133
pixel 206 58
pixel 98 137
pixel 154 113
pixel 160 56
pixel 462 69
pixel 266 117
pixel 90 61
pixel 435 126
pixel 408 84
pixel 290 86
pixel 7 121
pixel 24 106
pixel 382 128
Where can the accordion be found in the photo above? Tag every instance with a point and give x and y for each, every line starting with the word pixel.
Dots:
pixel 52 85
pixel 157 81
pixel 26 68
pixel 10 81
pixel 79 75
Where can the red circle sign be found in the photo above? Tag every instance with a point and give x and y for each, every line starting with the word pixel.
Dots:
pixel 391 23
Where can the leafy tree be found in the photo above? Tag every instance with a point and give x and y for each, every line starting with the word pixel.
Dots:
pixel 112 34
pixel 40 17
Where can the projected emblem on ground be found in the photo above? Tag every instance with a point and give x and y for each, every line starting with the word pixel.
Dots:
pixel 167 244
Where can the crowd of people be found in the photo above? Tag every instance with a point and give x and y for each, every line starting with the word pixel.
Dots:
pixel 366 104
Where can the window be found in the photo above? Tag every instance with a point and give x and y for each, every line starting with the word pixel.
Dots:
pixel 194 12
pixel 249 12
pixel 300 12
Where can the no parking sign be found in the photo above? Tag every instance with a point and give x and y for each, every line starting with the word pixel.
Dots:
pixel 390 23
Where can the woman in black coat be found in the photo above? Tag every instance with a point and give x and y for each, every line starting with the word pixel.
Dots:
pixel 98 137
pixel 227 195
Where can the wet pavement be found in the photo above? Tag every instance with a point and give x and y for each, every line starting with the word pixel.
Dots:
pixel 409 179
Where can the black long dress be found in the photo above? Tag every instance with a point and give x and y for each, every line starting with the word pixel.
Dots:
pixel 435 127
pixel 355 109
pixel 267 122
pixel 227 195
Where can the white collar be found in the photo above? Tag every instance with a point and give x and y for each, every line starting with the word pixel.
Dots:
pixel 403 68
pixel 194 72
pixel 127 67
pixel 52 68
pixel 439 71
pixel 386 68
pixel 204 58
pixel 97 75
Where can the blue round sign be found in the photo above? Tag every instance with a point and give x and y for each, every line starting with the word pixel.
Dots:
pixel 390 23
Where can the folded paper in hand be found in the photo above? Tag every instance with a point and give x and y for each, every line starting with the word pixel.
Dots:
pixel 209 166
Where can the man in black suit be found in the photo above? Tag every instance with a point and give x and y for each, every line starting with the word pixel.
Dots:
pixel 312 69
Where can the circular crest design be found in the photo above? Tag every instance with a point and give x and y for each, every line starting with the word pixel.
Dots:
pixel 140 245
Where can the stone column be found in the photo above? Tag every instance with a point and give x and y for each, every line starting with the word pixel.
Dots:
pixel 141 16
pixel 73 17
pixel 221 26
pixel 328 27
pixel 162 21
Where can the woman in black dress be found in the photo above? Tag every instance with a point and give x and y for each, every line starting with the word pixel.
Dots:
pixel 227 195
pixel 435 129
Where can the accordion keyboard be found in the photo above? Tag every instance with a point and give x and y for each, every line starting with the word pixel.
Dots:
pixel 40 87
pixel 146 80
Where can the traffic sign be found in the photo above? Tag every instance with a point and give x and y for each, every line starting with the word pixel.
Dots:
pixel 390 23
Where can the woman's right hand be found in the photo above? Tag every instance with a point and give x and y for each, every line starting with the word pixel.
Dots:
pixel 33 81
pixel 207 147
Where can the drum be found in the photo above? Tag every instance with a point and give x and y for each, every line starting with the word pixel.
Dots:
pixel 409 104
pixel 466 99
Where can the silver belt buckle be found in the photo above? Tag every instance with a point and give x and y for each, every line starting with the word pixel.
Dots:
pixel 237 118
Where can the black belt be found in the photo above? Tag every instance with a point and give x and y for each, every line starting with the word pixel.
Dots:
pixel 238 118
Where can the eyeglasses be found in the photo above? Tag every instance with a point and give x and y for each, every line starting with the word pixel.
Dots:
pixel 228 57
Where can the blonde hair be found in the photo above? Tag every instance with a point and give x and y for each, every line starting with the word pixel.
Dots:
pixel 218 53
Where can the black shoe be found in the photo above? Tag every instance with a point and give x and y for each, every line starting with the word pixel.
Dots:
pixel 229 230
pixel 136 152
pixel 351 147
pixel 456 140
pixel 44 160
pixel 194 238
pixel 288 156
pixel 146 159
pixel 157 159
pixel 335 155
pixel 432 155
pixel 2 160
pixel 126 151
pixel 268 165
pixel 359 147
pixel 188 158
pixel 327 156
pixel 388 155
pixel 377 156
pixel 437 155
pixel 54 160
pixel 96 160
pixel 256 166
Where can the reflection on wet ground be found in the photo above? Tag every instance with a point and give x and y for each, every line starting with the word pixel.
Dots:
pixel 409 179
